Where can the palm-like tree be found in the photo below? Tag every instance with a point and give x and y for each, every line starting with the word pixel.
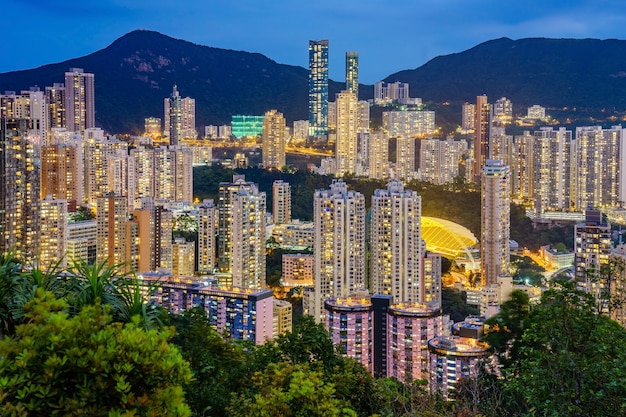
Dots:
pixel 124 295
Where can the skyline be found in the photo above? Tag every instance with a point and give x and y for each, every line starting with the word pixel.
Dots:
pixel 281 29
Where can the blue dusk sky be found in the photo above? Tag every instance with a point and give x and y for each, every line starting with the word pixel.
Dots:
pixel 388 35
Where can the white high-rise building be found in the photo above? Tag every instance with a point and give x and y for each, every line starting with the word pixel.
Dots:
pixel 339 247
pixel 409 123
pixel 405 158
pixel 207 231
pixel 600 176
pixel 347 128
pixel 248 239
pixel 378 151
pixel 396 243
pixel 274 140
pixel 468 114
pixel 281 202
pixel 495 221
pixel 552 168
pixel 227 192
pixel 53 232
pixel 80 109
pixel 439 159
pixel 300 129
pixel 503 111
pixel 180 117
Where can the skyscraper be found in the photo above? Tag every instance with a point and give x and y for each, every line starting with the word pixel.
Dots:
pixel 274 140
pixel 482 121
pixel 599 173
pixel 61 176
pixel 339 246
pixel 55 99
pixel 179 117
pixel 347 128
pixel 19 193
pixel 53 232
pixel 396 243
pixel 495 221
pixel 405 157
pixel 111 216
pixel 318 88
pixel 592 247
pixel 225 207
pixel 248 239
pixel 281 202
pixel 207 220
pixel 80 110
pixel 378 151
pixel 352 73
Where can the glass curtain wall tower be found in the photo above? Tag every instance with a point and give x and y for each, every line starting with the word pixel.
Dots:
pixel 318 88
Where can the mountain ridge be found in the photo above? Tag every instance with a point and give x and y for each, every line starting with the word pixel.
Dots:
pixel 138 70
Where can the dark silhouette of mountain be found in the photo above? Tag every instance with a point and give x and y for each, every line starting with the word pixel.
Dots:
pixel 136 72
pixel 583 73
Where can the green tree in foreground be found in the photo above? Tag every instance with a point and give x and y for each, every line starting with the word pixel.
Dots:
pixel 219 366
pixel 56 365
pixel 291 390
pixel 562 358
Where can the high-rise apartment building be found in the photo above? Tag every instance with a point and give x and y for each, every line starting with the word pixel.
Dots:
pixel 339 247
pixel 409 123
pixel 53 232
pixel 80 109
pixel 396 243
pixel 352 73
pixel 405 157
pixel 503 111
pixel 225 207
pixel 552 169
pixel 495 221
pixel 388 92
pixel 61 173
pixel 180 117
pixel 482 124
pixel 318 88
pixel 439 159
pixel 183 257
pixel 600 157
pixel 409 327
pixel 378 155
pixel 111 238
pixel 152 127
pixel 467 116
pixel 207 222
pixel 55 99
pixel 248 238
pixel 274 140
pixel 19 194
pixel 281 202
pixel 592 247
pixel 346 133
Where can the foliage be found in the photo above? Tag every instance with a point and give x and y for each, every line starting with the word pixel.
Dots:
pixel 506 327
pixel 395 399
pixel 82 214
pixel 453 302
pixel 58 365
pixel 219 367
pixel 106 284
pixel 9 277
pixel 569 360
pixel 286 390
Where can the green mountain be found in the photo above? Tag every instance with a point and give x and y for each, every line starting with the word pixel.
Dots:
pixel 136 72
pixel 582 73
